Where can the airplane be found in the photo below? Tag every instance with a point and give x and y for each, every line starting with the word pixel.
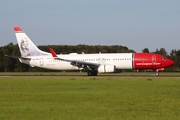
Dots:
pixel 91 63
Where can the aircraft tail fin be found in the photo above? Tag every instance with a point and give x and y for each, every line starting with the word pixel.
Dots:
pixel 26 46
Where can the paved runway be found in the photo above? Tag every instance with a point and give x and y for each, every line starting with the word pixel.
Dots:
pixel 85 76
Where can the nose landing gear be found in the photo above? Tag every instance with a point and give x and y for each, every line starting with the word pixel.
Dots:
pixel 157 73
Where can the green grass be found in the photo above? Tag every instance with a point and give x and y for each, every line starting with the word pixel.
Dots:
pixel 89 98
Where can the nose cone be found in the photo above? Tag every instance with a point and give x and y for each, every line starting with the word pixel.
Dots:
pixel 170 62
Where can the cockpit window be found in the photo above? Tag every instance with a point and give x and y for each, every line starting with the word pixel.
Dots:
pixel 163 58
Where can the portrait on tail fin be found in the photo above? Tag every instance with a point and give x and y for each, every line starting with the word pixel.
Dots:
pixel 24 47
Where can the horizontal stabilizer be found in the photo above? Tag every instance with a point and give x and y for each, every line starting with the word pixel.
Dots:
pixel 17 57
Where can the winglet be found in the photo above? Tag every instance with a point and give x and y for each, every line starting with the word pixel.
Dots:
pixel 17 29
pixel 53 53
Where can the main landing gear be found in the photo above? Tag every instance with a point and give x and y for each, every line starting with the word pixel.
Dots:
pixel 92 73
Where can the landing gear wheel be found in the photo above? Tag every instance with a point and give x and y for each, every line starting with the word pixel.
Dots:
pixel 157 74
pixel 92 73
pixel 89 73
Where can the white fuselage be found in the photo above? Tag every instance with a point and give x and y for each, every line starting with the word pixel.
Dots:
pixel 120 60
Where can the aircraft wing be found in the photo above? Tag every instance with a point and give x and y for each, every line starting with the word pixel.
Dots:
pixel 80 64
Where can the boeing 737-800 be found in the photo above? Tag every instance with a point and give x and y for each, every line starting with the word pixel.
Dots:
pixel 92 63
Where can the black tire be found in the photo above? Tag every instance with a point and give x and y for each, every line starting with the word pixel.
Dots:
pixel 94 73
pixel 89 73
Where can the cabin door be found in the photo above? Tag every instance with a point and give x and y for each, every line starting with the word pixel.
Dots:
pixel 153 60
pixel 41 61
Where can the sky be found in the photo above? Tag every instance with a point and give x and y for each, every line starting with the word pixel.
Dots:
pixel 137 24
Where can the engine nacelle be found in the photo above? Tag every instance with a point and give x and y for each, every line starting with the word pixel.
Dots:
pixel 107 68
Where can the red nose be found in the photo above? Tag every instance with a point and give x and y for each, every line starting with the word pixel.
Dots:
pixel 170 62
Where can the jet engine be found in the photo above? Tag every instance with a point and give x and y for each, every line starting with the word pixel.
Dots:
pixel 107 68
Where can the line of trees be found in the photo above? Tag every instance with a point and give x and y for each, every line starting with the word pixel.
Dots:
pixel 13 65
